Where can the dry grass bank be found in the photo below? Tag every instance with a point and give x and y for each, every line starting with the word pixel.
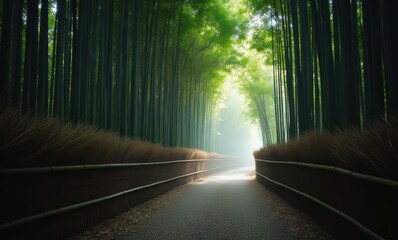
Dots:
pixel 27 141
pixel 371 151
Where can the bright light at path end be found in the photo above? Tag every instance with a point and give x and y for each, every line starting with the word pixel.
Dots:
pixel 255 141
pixel 230 176
pixel 237 136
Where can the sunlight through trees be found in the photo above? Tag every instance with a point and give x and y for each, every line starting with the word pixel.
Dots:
pixel 332 62
pixel 147 69
pixel 154 69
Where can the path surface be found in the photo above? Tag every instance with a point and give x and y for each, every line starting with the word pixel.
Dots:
pixel 228 205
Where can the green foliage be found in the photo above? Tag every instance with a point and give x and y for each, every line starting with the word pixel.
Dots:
pixel 262 42
pixel 254 81
pixel 149 69
pixel 327 61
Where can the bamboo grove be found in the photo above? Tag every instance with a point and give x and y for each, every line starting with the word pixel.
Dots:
pixel 145 69
pixel 334 62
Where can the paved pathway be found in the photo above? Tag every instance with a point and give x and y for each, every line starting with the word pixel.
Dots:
pixel 228 205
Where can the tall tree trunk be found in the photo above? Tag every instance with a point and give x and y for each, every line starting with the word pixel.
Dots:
pixel 75 81
pixel 59 66
pixel 43 60
pixel 31 57
pixel 374 85
pixel 5 47
pixel 390 53
pixel 16 58
pixel 134 72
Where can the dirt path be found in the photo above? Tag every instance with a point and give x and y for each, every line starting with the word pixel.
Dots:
pixel 227 205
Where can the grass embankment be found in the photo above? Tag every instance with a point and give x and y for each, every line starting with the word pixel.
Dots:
pixel 371 151
pixel 28 141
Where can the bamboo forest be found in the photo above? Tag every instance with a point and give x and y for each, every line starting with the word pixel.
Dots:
pixel 222 108
pixel 155 69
